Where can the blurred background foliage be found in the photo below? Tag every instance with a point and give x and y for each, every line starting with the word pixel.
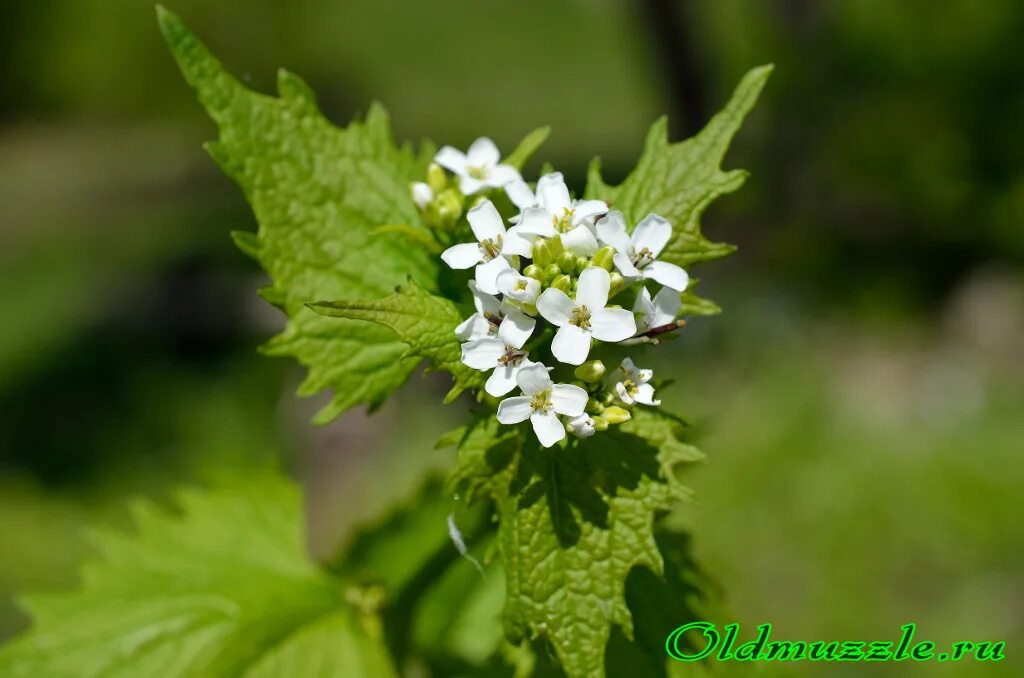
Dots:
pixel 861 400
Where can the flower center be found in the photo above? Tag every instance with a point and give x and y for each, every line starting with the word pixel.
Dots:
pixel 563 224
pixel 541 401
pixel 478 173
pixel 631 387
pixel 493 320
pixel 580 317
pixel 641 258
pixel 491 248
pixel 521 285
pixel 512 357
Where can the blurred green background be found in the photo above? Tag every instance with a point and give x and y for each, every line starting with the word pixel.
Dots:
pixel 861 400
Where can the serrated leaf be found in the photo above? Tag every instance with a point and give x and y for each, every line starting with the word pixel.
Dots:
pixel 679 180
pixel 573 522
pixel 224 588
pixel 318 192
pixel 424 322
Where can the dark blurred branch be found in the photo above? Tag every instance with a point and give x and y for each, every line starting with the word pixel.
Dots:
pixel 671 26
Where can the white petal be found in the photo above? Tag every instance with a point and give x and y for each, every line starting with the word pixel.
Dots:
pixel 485 303
pixel 502 380
pixel 553 194
pixel 612 324
pixel 653 232
pixel 548 427
pixel 485 221
pixel 421 194
pixel 586 210
pixel 463 255
pixel 666 306
pixel 520 194
pixel 628 367
pixel 592 288
pixel 611 229
pixel 483 354
pixel 469 186
pixel 474 327
pixel 501 175
pixel 625 266
pixel 568 399
pixel 518 287
pixel 620 390
pixel 538 220
pixel 643 310
pixel 533 378
pixel 556 306
pixel 571 344
pixel 514 410
pixel 451 159
pixel 518 242
pixel 644 375
pixel 483 153
pixel 667 274
pixel 645 395
pixel 581 426
pixel 516 328
pixel 580 241
pixel 487 274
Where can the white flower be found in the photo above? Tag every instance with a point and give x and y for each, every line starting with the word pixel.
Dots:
pixel 488 251
pixel 633 388
pixel 484 323
pixel 478 168
pixel 550 212
pixel 581 426
pixel 503 353
pixel 542 401
pixel 585 317
pixel 518 287
pixel 661 311
pixel 635 254
pixel 422 194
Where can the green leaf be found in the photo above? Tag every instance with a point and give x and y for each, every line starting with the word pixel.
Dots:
pixel 424 322
pixel 527 147
pixel 679 180
pixel 224 588
pixel 573 523
pixel 318 193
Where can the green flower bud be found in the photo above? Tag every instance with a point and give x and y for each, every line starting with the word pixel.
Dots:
pixel 603 257
pixel 567 262
pixel 534 271
pixel 449 208
pixel 582 264
pixel 600 423
pixel 562 282
pixel 590 371
pixel 551 272
pixel 436 178
pixel 594 406
pixel 556 245
pixel 542 255
pixel 529 309
pixel 616 414
pixel 617 283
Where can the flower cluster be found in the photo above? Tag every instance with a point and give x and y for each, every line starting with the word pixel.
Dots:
pixel 545 284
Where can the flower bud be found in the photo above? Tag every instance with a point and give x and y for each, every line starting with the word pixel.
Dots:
pixel 449 208
pixel 437 180
pixel 551 272
pixel 590 372
pixel 567 262
pixel 581 426
pixel 594 406
pixel 617 283
pixel 556 245
pixel 616 414
pixel 582 264
pixel 542 255
pixel 422 194
pixel 603 257
pixel 534 271
pixel 562 282
pixel 600 423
